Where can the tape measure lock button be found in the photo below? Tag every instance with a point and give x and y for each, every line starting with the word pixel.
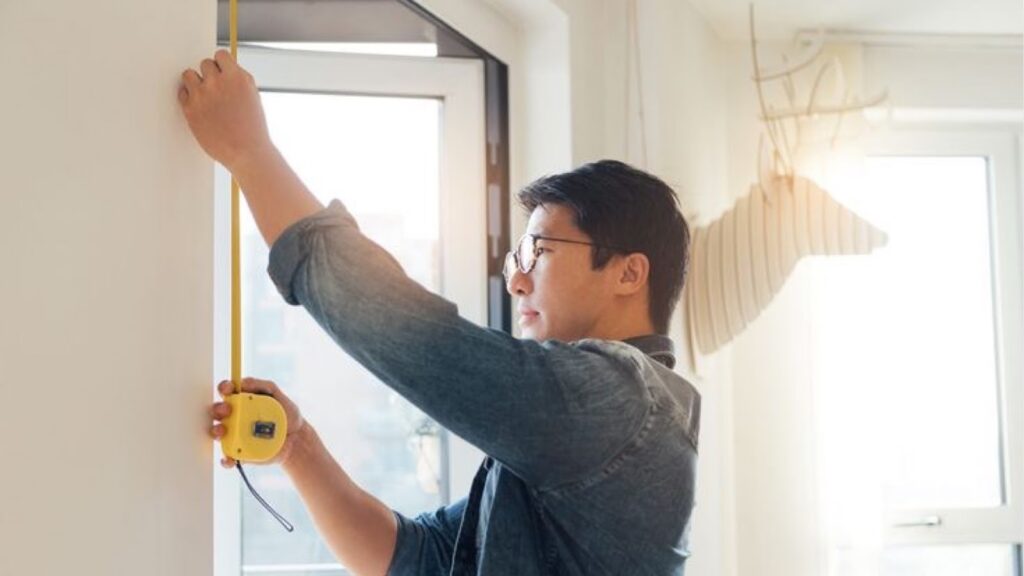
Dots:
pixel 261 429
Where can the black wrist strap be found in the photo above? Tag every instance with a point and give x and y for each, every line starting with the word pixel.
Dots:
pixel 287 525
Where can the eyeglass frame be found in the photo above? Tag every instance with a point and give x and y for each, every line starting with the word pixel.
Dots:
pixel 515 253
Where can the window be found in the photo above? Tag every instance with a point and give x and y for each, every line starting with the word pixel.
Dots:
pixel 390 59
pixel 346 147
pixel 918 361
pixel 399 141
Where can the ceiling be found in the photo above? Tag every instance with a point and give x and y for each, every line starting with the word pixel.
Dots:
pixel 781 19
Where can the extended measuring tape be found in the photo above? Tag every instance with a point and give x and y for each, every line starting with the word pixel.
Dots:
pixel 256 429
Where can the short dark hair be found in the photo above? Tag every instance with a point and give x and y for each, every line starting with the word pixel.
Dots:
pixel 618 205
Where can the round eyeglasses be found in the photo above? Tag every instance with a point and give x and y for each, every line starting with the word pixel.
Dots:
pixel 524 257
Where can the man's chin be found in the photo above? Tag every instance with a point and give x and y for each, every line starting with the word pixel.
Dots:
pixel 531 333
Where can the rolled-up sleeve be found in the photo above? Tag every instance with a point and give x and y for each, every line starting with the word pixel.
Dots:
pixel 550 411
pixel 426 543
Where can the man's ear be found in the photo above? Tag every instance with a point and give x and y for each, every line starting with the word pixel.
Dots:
pixel 635 269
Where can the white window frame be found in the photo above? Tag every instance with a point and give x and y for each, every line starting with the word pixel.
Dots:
pixel 1000 145
pixel 459 84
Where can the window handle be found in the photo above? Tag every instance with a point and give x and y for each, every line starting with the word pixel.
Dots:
pixel 925 522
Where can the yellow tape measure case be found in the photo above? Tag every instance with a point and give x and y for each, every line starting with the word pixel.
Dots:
pixel 256 429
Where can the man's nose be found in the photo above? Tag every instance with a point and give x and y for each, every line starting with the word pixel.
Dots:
pixel 518 283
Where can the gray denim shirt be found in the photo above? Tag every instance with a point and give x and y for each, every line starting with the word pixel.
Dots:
pixel 592 445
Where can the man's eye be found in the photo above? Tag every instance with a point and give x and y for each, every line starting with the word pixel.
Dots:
pixel 541 250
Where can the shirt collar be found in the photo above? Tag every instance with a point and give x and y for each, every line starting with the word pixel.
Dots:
pixel 657 346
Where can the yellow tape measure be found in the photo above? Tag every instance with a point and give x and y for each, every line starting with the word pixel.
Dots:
pixel 257 426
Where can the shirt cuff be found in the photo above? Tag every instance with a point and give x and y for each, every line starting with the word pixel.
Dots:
pixel 291 249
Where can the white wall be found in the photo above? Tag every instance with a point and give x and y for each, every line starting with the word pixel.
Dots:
pixel 105 341
pixel 947 78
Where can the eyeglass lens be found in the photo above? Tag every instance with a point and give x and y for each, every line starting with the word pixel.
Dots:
pixel 522 258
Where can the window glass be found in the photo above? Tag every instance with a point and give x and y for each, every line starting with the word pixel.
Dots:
pixel 908 346
pixel 380 157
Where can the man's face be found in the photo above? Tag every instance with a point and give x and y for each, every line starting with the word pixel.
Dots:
pixel 562 298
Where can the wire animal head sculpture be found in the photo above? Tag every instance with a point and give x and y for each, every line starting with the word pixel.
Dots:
pixel 742 259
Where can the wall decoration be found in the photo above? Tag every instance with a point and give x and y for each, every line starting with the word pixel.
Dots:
pixel 740 261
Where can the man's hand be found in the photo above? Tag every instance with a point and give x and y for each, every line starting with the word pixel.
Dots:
pixel 360 530
pixel 223 109
pixel 221 410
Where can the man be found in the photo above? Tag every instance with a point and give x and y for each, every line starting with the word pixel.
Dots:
pixel 591 436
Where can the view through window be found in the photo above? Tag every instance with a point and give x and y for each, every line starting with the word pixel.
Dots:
pixel 909 368
pixel 380 157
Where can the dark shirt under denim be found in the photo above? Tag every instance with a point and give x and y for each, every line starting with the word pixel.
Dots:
pixel 592 444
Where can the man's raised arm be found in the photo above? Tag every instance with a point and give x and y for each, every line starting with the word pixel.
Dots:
pixel 551 412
